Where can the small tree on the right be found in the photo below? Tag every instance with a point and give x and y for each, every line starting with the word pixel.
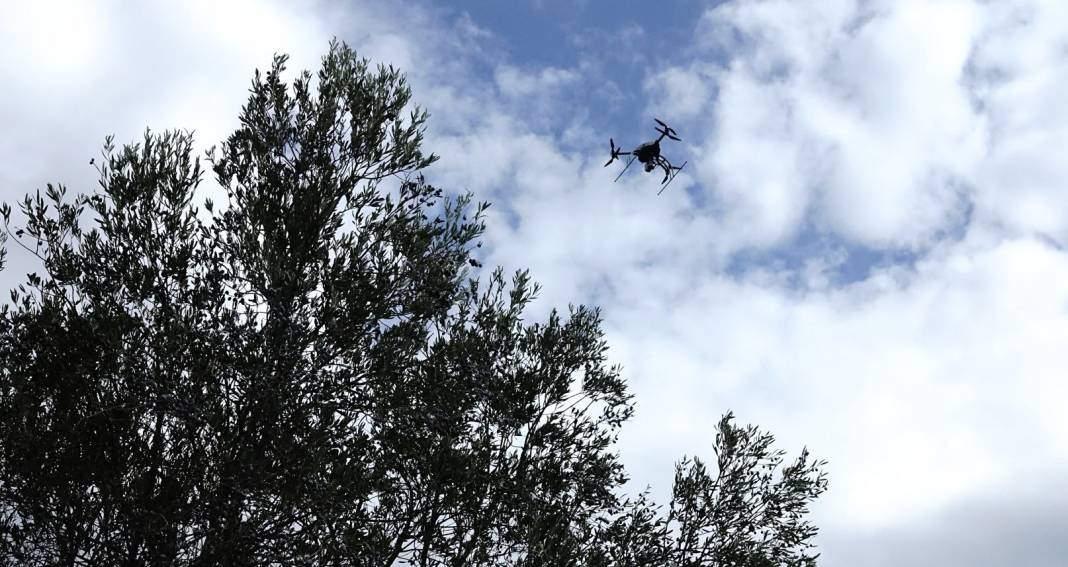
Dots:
pixel 747 511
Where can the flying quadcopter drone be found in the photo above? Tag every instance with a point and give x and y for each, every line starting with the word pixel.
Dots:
pixel 649 155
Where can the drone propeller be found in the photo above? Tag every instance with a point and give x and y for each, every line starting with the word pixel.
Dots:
pixel 615 152
pixel 666 130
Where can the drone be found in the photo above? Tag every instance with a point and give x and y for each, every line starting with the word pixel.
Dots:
pixel 649 155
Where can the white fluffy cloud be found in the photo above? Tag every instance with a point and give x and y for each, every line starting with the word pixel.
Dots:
pixel 857 114
pixel 885 122
pixel 920 387
pixel 1021 77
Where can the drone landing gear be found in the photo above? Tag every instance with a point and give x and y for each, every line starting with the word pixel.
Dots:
pixel 671 176
pixel 630 161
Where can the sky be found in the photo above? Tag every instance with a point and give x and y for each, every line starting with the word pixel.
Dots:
pixel 865 254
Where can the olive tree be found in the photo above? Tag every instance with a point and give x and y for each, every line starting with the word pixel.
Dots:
pixel 310 373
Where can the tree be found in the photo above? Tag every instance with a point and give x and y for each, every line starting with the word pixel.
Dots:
pixel 311 375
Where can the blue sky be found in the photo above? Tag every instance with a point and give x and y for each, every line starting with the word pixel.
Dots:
pixel 630 41
pixel 547 33
pixel 865 254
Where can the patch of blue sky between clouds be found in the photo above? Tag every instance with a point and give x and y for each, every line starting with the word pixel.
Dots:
pixel 580 46
pixel 818 259
pixel 612 47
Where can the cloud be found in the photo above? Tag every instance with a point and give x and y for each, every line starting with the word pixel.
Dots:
pixel 680 93
pixel 889 124
pixel 1020 72
pixel 1015 524
pixel 514 83
pixel 853 113
pixel 920 387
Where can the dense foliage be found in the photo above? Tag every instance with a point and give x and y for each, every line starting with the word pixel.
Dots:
pixel 310 375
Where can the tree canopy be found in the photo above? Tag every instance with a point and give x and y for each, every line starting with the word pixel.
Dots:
pixel 311 374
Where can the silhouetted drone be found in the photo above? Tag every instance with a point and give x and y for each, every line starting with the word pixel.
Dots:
pixel 649 154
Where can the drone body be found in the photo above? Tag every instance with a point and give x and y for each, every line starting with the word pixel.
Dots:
pixel 649 155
